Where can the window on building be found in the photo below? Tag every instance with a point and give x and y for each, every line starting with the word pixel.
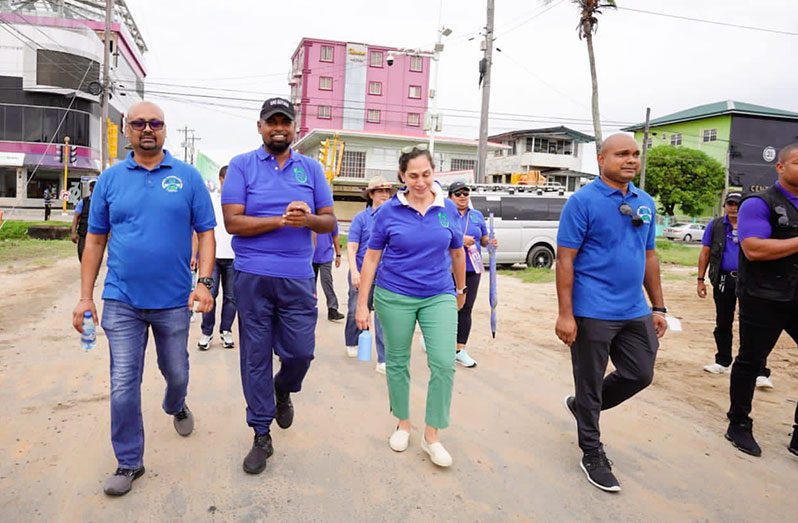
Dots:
pixel 530 144
pixel 676 139
pixel 710 135
pixel 375 88
pixel 325 112
pixel 325 83
pixel 8 182
pixel 416 63
pixel 353 164
pixel 65 70
pixel 460 164
pixel 650 143
pixel 326 53
pixel 38 124
pixel 375 59
pixel 551 146
pixel 414 119
pixel 414 91
pixel 373 116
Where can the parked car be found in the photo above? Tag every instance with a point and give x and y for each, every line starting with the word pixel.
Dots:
pixel 525 224
pixel 688 232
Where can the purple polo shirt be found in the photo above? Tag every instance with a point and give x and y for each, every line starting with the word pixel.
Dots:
pixel 731 249
pixel 325 252
pixel 257 182
pixel 754 216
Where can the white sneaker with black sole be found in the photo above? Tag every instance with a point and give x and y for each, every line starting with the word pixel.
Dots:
pixel 227 339
pixel 204 342
pixel 464 359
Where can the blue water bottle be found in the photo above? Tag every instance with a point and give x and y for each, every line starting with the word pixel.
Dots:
pixel 88 339
pixel 364 346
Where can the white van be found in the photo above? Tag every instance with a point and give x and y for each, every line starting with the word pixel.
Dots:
pixel 525 224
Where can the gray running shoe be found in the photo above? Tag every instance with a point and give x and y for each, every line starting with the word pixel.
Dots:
pixel 184 422
pixel 121 481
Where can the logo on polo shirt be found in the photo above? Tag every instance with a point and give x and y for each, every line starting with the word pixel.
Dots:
pixel 443 218
pixel 172 183
pixel 300 174
pixel 644 213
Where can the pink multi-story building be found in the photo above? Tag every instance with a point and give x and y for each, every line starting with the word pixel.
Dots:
pixel 350 86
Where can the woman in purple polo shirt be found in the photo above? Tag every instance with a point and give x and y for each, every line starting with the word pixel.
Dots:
pixel 417 244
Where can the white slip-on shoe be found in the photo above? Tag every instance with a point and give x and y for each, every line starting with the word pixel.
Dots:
pixel 380 368
pixel 351 352
pixel 716 368
pixel 764 382
pixel 204 342
pixel 399 440
pixel 437 453
pixel 464 359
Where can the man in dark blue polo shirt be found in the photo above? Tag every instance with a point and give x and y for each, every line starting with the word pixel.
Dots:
pixel 273 197
pixel 605 256
pixel 145 208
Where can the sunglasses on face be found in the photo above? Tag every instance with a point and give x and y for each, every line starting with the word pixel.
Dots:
pixel 140 125
pixel 627 210
pixel 419 147
pixel 461 193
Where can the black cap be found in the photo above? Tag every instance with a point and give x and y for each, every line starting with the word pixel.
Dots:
pixel 456 186
pixel 274 106
pixel 734 197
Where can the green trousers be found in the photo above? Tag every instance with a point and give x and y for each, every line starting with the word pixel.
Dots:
pixel 437 317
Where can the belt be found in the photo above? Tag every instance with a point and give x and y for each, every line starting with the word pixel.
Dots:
pixel 733 274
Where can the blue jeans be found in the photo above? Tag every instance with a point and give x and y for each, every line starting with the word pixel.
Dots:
pixel 127 330
pixel 351 332
pixel 223 273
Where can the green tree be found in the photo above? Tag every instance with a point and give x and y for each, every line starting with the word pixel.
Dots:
pixel 685 177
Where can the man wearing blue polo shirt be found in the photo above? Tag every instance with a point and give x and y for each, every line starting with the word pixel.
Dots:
pixel 605 256
pixel 273 197
pixel 145 208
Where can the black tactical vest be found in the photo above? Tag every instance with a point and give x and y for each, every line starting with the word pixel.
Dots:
pixel 83 223
pixel 718 226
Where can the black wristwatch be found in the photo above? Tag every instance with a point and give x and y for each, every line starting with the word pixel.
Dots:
pixel 208 282
pixel 663 310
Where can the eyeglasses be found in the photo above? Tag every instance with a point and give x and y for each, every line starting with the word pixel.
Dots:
pixel 461 193
pixel 140 125
pixel 784 221
pixel 627 210
pixel 418 147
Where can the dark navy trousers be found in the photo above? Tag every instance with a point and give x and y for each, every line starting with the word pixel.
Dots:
pixel 275 316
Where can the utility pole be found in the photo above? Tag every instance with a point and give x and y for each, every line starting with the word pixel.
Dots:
pixel 184 131
pixel 482 151
pixel 193 139
pixel 109 11
pixel 645 150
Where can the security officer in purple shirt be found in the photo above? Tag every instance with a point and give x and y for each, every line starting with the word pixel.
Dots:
pixel 720 253
pixel 273 197
pixel 767 286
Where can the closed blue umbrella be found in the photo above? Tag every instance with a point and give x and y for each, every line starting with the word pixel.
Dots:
pixel 494 300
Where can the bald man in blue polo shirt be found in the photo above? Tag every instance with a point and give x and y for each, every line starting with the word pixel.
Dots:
pixel 605 256
pixel 273 197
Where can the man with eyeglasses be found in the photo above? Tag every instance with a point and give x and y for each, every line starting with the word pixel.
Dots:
pixel 720 253
pixel 145 209
pixel 272 199
pixel 767 286
pixel 605 256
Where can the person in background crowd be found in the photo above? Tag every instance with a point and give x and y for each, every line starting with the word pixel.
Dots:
pixel 378 191
pixel 80 221
pixel 416 244
pixel 48 203
pixel 328 249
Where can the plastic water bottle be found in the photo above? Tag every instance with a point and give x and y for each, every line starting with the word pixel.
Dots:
pixel 88 339
pixel 364 346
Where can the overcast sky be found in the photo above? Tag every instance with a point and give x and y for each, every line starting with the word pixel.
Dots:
pixel 540 77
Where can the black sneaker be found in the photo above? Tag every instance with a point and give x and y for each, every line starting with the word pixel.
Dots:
pixel 121 481
pixel 794 441
pixel 285 410
pixel 598 470
pixel 741 436
pixel 255 461
pixel 570 404
pixel 334 315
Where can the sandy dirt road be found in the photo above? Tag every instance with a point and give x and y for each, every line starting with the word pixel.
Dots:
pixel 513 443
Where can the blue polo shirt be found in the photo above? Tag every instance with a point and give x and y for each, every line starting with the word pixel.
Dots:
pixel 610 265
pixel 150 216
pixel 731 249
pixel 256 181
pixel 360 232
pixel 415 260
pixel 472 223
pixel 325 252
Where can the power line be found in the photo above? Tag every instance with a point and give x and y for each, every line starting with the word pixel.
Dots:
pixel 713 22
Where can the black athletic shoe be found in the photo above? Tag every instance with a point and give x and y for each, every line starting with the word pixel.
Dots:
pixel 570 404
pixel 285 410
pixel 794 441
pixel 742 437
pixel 261 450
pixel 598 470
pixel 334 315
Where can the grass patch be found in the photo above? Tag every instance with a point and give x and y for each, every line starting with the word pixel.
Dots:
pixel 18 229
pixel 30 254
pixel 678 253
pixel 530 275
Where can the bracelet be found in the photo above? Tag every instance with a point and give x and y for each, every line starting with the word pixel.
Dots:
pixel 700 279
pixel 87 299
pixel 337 255
pixel 659 313
pixel 663 310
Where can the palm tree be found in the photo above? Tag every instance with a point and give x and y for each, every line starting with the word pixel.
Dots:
pixel 588 24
